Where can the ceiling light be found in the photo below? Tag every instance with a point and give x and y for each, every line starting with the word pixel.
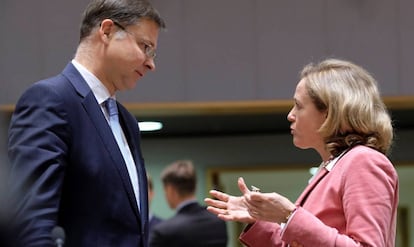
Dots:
pixel 149 126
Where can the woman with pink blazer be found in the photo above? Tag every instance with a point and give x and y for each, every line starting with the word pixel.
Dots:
pixel 352 200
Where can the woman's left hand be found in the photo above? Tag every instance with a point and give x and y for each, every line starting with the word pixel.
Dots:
pixel 271 207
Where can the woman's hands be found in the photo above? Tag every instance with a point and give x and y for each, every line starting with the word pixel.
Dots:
pixel 271 207
pixel 251 206
pixel 228 207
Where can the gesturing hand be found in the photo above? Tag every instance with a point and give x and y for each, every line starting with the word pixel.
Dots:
pixel 271 207
pixel 228 207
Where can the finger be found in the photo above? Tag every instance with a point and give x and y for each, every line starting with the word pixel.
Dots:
pixel 242 186
pixel 217 211
pixel 226 217
pixel 210 202
pixel 219 195
pixel 234 217
pixel 215 203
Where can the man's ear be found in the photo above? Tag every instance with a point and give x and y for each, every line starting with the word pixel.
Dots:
pixel 106 29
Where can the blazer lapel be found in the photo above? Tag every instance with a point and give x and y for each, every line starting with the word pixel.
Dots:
pixel 315 181
pixel 320 175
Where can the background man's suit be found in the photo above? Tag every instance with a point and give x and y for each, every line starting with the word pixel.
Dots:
pixel 153 221
pixel 192 226
pixel 59 133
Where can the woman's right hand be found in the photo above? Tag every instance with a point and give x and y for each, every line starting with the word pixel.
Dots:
pixel 228 207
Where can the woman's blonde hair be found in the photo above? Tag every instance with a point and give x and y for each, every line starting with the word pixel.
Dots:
pixel 356 114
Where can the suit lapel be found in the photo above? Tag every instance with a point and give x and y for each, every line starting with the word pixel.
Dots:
pixel 96 116
pixel 315 181
pixel 131 131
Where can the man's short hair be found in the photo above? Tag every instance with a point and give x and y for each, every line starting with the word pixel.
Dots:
pixel 181 175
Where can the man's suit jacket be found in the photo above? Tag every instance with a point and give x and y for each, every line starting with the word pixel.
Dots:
pixel 192 226
pixel 355 204
pixel 67 168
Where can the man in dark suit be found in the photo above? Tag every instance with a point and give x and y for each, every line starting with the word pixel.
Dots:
pixel 192 225
pixel 73 163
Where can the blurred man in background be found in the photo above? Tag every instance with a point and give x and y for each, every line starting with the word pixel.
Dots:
pixel 192 225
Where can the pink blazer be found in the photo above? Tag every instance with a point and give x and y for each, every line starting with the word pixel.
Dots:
pixel 354 204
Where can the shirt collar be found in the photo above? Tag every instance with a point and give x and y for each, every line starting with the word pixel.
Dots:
pixel 98 89
pixel 332 162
